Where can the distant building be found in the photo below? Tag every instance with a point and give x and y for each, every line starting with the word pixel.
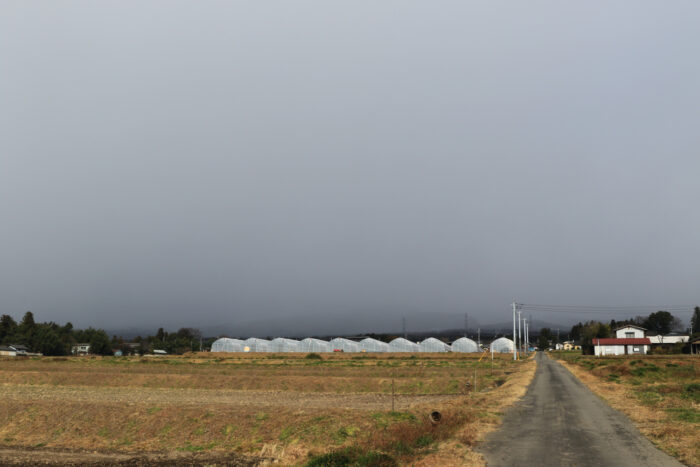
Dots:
pixel 695 346
pixel 570 345
pixel 80 349
pixel 7 352
pixel 20 349
pixel 621 346
pixel 630 340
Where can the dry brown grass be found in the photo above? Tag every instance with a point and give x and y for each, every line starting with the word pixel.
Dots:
pixel 342 373
pixel 484 410
pixel 652 400
pixel 83 408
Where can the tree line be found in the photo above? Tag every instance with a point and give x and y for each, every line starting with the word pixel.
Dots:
pixel 53 339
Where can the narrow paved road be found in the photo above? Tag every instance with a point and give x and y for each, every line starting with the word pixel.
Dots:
pixel 560 422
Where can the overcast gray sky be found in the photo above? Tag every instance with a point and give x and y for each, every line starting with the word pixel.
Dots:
pixel 342 164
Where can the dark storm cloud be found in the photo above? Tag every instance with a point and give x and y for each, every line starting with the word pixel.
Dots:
pixel 236 163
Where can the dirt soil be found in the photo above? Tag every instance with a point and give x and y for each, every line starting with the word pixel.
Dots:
pixel 46 457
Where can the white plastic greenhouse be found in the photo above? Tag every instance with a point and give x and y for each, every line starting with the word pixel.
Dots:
pixel 224 344
pixel 314 345
pixel 502 345
pixel 344 345
pixel 464 344
pixel 433 345
pixel 373 345
pixel 281 344
pixel 403 345
pixel 256 345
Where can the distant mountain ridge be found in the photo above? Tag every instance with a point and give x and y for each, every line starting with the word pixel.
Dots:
pixel 295 328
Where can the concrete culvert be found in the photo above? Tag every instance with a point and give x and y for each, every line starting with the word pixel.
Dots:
pixel 435 417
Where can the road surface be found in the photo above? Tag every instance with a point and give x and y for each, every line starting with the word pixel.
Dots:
pixel 560 422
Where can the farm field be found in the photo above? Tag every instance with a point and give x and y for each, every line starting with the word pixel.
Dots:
pixel 660 393
pixel 246 409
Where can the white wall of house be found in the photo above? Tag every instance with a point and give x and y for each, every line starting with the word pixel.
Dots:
pixel 620 349
pixel 637 349
pixel 668 339
pixel 609 349
pixel 80 349
pixel 629 331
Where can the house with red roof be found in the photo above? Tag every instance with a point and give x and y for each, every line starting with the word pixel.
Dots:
pixel 628 340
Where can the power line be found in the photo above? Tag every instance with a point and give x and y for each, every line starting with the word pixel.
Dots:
pixel 595 312
pixel 610 307
pixel 583 309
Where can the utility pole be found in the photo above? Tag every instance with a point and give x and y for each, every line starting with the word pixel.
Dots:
pixel 466 323
pixel 557 346
pixel 478 337
pixel 404 328
pixel 515 352
pixel 520 339
pixel 527 339
pixel 525 335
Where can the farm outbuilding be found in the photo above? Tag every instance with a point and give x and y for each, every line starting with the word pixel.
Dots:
pixel 340 344
pixel 254 344
pixel 502 345
pixel 282 344
pixel 403 345
pixel 314 345
pixel 433 345
pixel 225 344
pixel 465 345
pixel 7 352
pixel 373 345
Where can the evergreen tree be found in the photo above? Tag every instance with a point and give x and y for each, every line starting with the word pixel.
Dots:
pixel 661 322
pixel 695 320
pixel 8 328
pixel 100 344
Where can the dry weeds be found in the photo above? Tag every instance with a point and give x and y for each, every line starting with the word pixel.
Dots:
pixel 186 405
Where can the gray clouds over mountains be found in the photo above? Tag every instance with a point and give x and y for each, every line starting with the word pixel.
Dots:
pixel 207 163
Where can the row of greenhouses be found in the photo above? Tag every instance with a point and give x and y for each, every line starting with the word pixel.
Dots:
pixel 340 344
